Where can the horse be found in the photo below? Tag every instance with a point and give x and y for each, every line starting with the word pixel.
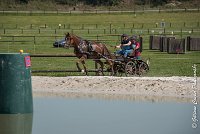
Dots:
pixel 83 49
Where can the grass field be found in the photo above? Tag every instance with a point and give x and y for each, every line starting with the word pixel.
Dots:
pixel 35 34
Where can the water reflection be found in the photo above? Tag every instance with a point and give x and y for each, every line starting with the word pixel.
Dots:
pixel 16 123
pixel 149 98
pixel 101 116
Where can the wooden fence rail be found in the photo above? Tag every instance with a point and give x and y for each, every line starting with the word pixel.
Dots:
pixel 61 71
pixel 53 55
pixel 70 12
pixel 89 26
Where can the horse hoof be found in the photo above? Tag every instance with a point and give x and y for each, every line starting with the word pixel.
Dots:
pixel 82 71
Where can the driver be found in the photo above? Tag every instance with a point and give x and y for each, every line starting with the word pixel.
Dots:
pixel 125 46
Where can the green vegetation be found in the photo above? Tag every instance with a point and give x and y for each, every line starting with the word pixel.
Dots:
pixel 63 5
pixel 35 34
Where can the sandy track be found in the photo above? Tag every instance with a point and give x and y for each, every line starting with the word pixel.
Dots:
pixel 145 88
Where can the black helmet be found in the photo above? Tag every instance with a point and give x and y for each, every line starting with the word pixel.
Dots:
pixel 124 35
pixel 134 37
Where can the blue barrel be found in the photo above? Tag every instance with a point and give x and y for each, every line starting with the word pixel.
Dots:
pixel 15 83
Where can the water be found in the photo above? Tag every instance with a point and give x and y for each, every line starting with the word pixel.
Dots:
pixel 102 116
pixel 98 116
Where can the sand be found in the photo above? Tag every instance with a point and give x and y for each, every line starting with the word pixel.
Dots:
pixel 181 89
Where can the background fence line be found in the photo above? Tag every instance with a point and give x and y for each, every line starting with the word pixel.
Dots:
pixel 99 32
pixel 70 12
pixel 129 25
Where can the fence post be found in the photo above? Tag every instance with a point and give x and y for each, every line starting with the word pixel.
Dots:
pixel 55 31
pixel 13 40
pixel 181 32
pixel 133 25
pixel 34 39
pixel 4 31
pixel 97 37
pixel 31 26
pixel 104 30
pixel 184 24
pixel 110 28
pixel 39 31
pixel 88 31
pixel 96 26
pixel 197 24
pixel 22 31
pixel 82 26
pixel 188 43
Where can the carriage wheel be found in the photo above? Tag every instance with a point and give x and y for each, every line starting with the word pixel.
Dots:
pixel 119 70
pixel 130 69
pixel 143 68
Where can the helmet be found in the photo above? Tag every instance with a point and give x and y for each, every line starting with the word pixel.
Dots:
pixel 124 35
pixel 134 37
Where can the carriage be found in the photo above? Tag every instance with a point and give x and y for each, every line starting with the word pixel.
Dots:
pixel 118 65
pixel 129 66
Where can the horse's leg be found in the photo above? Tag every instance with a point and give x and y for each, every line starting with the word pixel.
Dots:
pixel 101 64
pixel 85 69
pixel 111 64
pixel 77 64
pixel 82 59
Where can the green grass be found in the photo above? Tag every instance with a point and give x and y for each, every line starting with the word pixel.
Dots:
pixel 162 64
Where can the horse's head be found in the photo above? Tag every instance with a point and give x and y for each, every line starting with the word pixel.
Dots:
pixel 68 41
pixel 71 40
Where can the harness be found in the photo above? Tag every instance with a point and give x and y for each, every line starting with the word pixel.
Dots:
pixel 87 44
pixel 84 44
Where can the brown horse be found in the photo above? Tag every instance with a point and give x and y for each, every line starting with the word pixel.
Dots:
pixel 88 50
